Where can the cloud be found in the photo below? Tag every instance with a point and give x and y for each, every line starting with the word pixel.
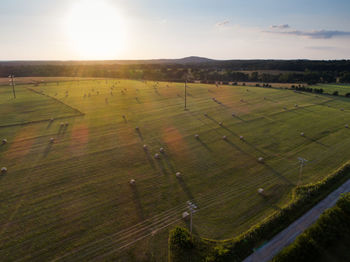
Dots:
pixel 285 26
pixel 320 47
pixel 316 34
pixel 222 23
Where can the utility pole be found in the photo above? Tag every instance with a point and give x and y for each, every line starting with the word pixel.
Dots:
pixel 192 208
pixel 302 162
pixel 186 94
pixel 12 80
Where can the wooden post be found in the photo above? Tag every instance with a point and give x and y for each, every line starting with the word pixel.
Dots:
pixel 13 85
pixel 185 94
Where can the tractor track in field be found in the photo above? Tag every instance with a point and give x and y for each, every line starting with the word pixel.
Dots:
pixel 56 100
pixel 40 121
pixel 148 227
pixel 125 238
pixel 78 112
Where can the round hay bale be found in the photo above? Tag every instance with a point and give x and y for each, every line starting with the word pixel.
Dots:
pixel 61 124
pixel 260 191
pixel 296 105
pixel 220 123
pixel 145 147
pixel 4 170
pixel 224 137
pixel 137 128
pixel 178 174
pixel 185 215
pixel 341 109
pixel 346 126
pixel 132 182
pixel 66 124
pixel 4 141
pixel 51 119
pixel 214 99
pixel 241 137
pixel 161 150
pixel 233 114
pixel 52 140
pixel 196 136
pixel 261 160
pixel 124 116
pixel 156 156
pixel 205 114
pixel 302 134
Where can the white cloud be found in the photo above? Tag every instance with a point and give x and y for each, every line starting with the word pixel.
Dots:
pixel 222 23
pixel 315 34
pixel 284 26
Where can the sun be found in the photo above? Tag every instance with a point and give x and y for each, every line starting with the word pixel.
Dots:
pixel 95 30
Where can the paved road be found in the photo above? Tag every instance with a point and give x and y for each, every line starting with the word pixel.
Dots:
pixel 287 236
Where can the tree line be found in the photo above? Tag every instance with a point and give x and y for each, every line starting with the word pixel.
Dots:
pixel 292 71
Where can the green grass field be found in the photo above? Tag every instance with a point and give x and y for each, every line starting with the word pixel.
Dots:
pixel 330 88
pixel 71 200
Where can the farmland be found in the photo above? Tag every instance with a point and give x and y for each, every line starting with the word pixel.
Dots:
pixel 71 200
pixel 342 89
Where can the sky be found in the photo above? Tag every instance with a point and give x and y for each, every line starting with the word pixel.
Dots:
pixel 151 29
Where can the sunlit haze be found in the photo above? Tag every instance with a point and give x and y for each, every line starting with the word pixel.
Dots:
pixel 120 29
pixel 95 30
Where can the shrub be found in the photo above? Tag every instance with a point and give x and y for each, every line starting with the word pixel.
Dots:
pixel 332 228
pixel 180 244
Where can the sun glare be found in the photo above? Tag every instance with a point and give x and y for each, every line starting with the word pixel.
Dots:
pixel 95 30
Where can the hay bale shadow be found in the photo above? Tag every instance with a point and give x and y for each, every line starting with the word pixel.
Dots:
pixel 137 202
pixel 204 145
pixel 47 150
pixel 150 159
pixel 268 199
pixel 279 175
pixel 315 141
pixel 185 188
pixel 162 167
pixel 237 148
pixel 169 164
pixel 239 118
pixel 212 119
pixel 60 130
pixel 49 125
pixel 64 130
pixel 139 134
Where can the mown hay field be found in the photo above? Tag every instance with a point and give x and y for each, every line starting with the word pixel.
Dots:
pixel 71 200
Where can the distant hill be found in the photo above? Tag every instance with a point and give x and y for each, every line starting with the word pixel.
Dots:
pixel 185 60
